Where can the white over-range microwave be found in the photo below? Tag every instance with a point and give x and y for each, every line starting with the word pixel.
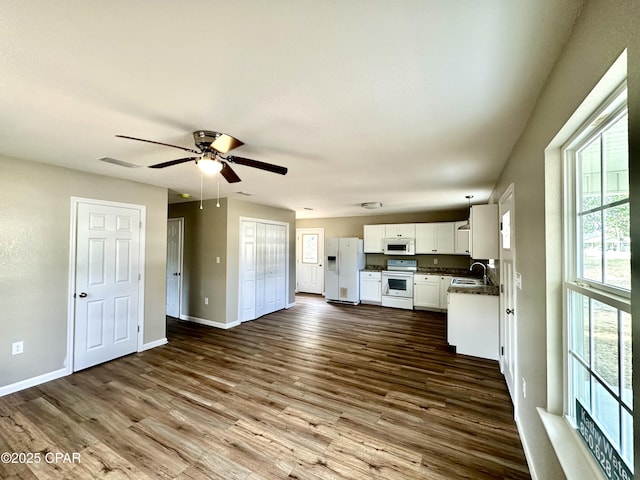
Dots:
pixel 400 246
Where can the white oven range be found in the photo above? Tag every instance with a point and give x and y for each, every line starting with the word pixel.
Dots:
pixel 397 284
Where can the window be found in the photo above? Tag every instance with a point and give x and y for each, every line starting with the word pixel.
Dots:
pixel 598 285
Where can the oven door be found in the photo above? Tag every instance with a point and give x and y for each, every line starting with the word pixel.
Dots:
pixel 397 285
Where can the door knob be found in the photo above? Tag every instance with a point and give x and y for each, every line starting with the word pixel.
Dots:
pixel 510 311
pixel 82 295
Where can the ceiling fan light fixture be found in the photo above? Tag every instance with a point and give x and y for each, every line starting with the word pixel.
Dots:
pixel 371 205
pixel 209 166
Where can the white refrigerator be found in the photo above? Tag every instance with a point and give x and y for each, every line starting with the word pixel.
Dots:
pixel 344 260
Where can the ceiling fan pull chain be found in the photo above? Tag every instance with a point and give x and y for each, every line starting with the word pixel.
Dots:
pixel 201 175
pixel 218 201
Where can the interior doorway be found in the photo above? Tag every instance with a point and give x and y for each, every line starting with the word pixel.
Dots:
pixel 107 260
pixel 175 241
pixel 309 265
pixel 508 281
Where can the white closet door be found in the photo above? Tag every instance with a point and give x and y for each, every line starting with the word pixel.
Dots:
pixel 281 267
pixel 261 308
pixel 270 269
pixel 248 271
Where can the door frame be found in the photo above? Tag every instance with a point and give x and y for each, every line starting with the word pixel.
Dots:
pixel 180 221
pixel 299 233
pixel 71 305
pixel 240 259
pixel 513 389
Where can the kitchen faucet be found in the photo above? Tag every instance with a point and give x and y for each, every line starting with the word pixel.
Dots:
pixel 484 270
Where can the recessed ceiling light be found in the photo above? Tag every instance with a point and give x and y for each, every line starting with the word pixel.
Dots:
pixel 371 205
pixel 246 194
pixel 308 208
pixel 185 195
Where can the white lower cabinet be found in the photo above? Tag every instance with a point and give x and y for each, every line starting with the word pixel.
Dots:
pixel 430 291
pixel 371 287
pixel 472 324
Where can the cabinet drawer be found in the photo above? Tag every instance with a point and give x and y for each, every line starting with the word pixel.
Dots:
pixel 371 275
pixel 425 278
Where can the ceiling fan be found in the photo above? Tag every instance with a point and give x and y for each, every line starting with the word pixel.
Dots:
pixel 211 150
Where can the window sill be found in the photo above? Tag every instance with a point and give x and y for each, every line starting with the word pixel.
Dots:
pixel 575 460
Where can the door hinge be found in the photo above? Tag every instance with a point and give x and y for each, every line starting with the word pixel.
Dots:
pixel 501 350
pixel 138 328
pixel 139 276
pixel 140 224
pixel 502 288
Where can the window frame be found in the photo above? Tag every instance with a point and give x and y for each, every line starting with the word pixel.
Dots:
pixel 609 112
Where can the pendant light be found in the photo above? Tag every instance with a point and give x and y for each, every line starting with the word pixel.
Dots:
pixel 467 225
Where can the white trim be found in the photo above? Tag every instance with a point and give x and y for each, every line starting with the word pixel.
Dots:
pixel 210 323
pixel 154 344
pixel 576 461
pixel 526 449
pixel 287 255
pixel 32 382
pixel 289 305
pixel 75 201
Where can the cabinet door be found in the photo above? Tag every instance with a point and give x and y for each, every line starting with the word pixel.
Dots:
pixel 445 281
pixel 374 238
pixel 401 230
pixel 462 239
pixel 426 291
pixel 425 238
pixel 484 231
pixel 445 237
pixel 370 287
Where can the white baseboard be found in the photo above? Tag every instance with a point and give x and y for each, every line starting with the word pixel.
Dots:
pixel 154 344
pixel 289 305
pixel 210 323
pixel 32 382
pixel 527 451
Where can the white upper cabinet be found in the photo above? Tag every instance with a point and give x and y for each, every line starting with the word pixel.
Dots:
pixel 462 239
pixel 401 230
pixel 484 243
pixel 434 238
pixel 374 236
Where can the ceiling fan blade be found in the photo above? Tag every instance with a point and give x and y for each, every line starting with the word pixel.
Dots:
pixel 269 167
pixel 159 143
pixel 225 143
pixel 173 162
pixel 228 173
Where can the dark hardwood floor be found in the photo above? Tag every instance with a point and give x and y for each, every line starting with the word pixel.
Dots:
pixel 319 391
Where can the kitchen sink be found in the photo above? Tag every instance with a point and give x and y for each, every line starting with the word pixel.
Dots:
pixel 467 282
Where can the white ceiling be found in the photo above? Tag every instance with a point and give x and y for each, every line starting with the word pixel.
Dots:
pixel 414 104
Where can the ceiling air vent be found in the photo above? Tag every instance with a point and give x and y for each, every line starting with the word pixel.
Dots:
pixel 121 163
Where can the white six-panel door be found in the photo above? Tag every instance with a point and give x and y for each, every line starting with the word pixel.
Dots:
pixel 107 276
pixel 174 266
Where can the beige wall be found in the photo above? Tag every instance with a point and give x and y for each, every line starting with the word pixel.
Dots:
pixel 353 226
pixel 603 30
pixel 205 238
pixel 35 211
pixel 215 232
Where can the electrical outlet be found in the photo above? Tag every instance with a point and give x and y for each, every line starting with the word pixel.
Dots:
pixel 217 259
pixel 435 261
pixel 17 348
pixel 524 388
pixel 206 300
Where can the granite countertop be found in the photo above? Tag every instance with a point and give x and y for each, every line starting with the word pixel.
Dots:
pixel 475 289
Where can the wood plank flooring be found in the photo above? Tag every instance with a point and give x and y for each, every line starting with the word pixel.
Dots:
pixel 319 391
